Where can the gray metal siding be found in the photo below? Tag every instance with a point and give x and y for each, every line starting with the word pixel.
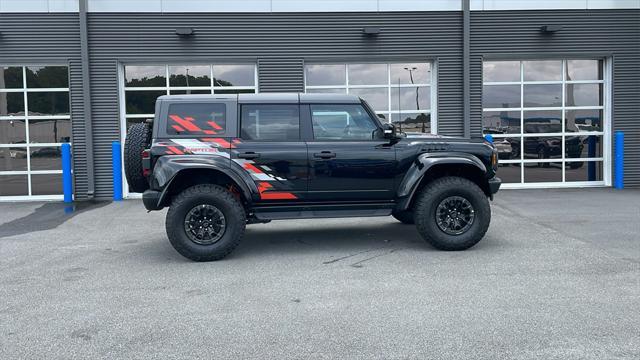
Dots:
pixel 278 42
pixel 604 32
pixel 38 38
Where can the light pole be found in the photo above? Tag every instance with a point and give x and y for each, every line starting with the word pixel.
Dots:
pixel 411 70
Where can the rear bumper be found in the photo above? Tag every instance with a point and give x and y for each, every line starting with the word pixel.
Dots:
pixel 494 184
pixel 151 200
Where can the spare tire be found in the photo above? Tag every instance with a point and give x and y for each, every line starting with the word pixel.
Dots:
pixel 138 139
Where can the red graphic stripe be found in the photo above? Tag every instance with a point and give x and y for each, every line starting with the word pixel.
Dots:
pixel 186 124
pixel 254 169
pixel 275 195
pixel 175 150
pixel 214 125
pixel 209 132
pixel 177 128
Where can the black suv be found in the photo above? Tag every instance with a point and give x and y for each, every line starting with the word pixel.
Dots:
pixel 220 162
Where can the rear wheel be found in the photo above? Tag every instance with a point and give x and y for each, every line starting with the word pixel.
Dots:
pixel 205 222
pixel 138 139
pixel 452 213
pixel 405 217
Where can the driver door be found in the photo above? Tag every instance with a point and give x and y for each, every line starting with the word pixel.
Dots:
pixel 349 158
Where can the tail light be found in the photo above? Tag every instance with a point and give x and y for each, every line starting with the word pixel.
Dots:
pixel 146 162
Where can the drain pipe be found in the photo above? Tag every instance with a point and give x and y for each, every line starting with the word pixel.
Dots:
pixel 86 89
pixel 466 82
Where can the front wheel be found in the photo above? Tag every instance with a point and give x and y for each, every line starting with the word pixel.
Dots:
pixel 452 213
pixel 205 222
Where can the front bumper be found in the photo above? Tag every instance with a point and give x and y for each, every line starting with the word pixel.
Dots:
pixel 494 184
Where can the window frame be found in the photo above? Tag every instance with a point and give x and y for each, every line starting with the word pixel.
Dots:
pixel 604 134
pixel 26 117
pixel 389 86
pixel 301 137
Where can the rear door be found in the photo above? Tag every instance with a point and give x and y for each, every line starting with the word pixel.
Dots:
pixel 270 148
pixel 348 156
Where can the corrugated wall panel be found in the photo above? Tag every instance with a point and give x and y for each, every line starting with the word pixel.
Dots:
pixel 604 32
pixel 278 42
pixel 281 75
pixel 44 39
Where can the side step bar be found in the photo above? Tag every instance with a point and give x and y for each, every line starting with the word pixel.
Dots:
pixel 322 211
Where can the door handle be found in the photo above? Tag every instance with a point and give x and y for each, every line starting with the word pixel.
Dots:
pixel 325 155
pixel 249 155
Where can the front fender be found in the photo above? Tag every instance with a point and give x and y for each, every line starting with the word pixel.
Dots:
pixel 426 161
pixel 167 167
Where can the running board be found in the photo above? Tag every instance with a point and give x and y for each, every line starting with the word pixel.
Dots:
pixel 322 211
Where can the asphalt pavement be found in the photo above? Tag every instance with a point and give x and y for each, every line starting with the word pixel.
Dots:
pixel 556 277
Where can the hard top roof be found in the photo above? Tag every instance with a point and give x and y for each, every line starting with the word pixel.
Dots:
pixel 292 98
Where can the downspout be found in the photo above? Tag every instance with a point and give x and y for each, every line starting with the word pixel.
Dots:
pixel 466 82
pixel 86 88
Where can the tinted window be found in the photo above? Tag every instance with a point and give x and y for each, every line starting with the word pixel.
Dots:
pixel 196 119
pixel 270 122
pixel 342 122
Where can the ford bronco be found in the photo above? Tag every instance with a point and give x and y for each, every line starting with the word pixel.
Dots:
pixel 220 162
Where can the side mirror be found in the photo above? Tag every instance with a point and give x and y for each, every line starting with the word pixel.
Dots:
pixel 389 131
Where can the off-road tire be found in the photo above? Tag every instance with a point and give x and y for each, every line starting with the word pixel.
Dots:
pixel 405 217
pixel 138 139
pixel 429 199
pixel 207 194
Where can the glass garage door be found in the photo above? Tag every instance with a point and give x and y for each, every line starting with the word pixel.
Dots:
pixel 403 93
pixel 548 120
pixel 34 122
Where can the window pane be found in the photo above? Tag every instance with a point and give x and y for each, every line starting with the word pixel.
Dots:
pixel 46 184
pixel 509 173
pixel 542 70
pixel 13 132
pixel 543 172
pixel 584 70
pixel 584 95
pixel 326 91
pixel 583 146
pixel 234 75
pixel 501 122
pixel 501 96
pixel 48 103
pixel 583 171
pixel 13 159
pixel 193 75
pixel 270 122
pixel 13 185
pixel 47 77
pixel 501 71
pixel 316 75
pixel 368 74
pixel 342 122
pixel 142 102
pixel 542 95
pixel 145 76
pixel 583 120
pixel 188 92
pixel 12 104
pixel 49 130
pixel 547 147
pixel 196 119
pixel 508 148
pixel 11 77
pixel 411 98
pixel 46 158
pixel 412 123
pixel 543 121
pixel 413 73
pixel 378 98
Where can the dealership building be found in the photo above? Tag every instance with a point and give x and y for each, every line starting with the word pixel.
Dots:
pixel 550 80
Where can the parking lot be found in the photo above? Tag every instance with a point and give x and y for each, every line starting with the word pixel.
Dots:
pixel 556 277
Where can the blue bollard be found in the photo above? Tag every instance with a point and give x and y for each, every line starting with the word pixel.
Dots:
pixel 489 138
pixel 116 162
pixel 67 182
pixel 618 181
